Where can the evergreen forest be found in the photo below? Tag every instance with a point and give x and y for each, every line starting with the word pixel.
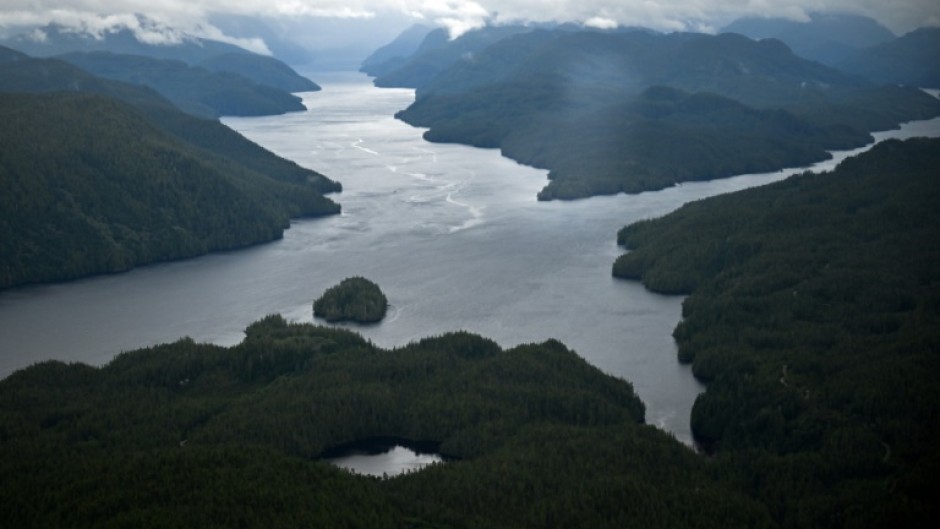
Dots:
pixel 354 299
pixel 101 176
pixel 187 434
pixel 812 314
pixel 631 110
pixel 811 310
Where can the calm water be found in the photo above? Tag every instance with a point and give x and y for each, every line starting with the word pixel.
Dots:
pixel 453 235
pixel 382 457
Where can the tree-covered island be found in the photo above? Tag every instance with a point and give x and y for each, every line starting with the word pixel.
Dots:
pixel 354 299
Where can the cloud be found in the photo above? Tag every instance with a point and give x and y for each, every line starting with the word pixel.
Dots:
pixel 190 17
pixel 899 15
pixel 458 16
pixel 601 23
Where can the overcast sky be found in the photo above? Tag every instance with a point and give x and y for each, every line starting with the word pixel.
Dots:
pixel 191 16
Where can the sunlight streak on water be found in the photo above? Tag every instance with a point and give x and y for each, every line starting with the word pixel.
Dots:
pixel 452 234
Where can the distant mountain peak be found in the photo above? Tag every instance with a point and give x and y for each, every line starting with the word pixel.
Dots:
pixel 913 60
pixel 138 35
pixel 126 34
pixel 824 37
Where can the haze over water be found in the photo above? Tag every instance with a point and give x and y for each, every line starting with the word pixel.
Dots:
pixel 452 234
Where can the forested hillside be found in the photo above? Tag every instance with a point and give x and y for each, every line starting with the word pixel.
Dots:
pixel 20 73
pixel 196 90
pixel 90 186
pixel 815 317
pixel 186 433
pixel 100 176
pixel 354 299
pixel 633 110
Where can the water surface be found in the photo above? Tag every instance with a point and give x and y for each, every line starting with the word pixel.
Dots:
pixel 452 234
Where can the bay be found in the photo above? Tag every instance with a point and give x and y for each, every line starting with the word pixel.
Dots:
pixel 452 234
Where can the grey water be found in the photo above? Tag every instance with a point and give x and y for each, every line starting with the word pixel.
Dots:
pixel 395 461
pixel 452 234
pixel 382 457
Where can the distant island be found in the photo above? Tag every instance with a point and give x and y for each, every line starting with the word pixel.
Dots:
pixel 354 299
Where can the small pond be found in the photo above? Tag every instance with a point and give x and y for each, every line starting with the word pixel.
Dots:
pixel 383 456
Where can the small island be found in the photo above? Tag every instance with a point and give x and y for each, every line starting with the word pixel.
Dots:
pixel 355 299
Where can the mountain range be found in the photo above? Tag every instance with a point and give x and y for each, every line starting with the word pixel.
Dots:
pixel 829 38
pixel 212 55
pixel 629 111
pixel 395 53
pixel 856 45
pixel 913 59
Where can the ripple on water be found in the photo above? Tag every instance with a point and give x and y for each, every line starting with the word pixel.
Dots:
pixel 525 272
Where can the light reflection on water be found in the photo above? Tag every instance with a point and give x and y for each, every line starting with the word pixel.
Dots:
pixel 396 460
pixel 452 234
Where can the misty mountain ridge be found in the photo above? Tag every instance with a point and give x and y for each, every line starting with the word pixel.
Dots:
pixel 579 104
pixel 194 89
pixel 437 52
pixel 56 39
pixel 758 73
pixel 213 55
pixel 912 60
pixel 828 38
pixel 242 26
pixel 394 54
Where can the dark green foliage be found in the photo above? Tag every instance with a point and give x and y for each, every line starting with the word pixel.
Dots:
pixel 90 186
pixel 184 433
pixel 815 315
pixel 196 90
pixel 632 111
pixel 354 299
pixel 109 176
pixel 50 75
pixel 549 476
